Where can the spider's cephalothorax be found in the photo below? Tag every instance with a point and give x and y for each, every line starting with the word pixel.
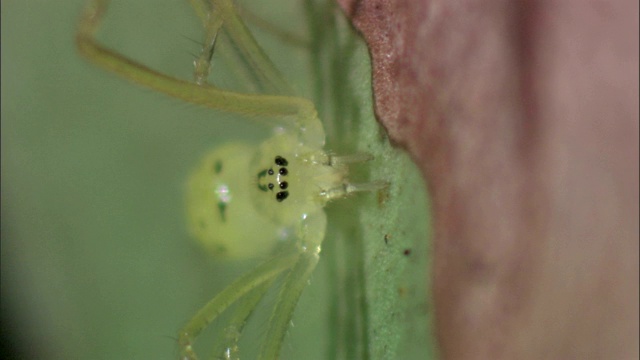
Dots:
pixel 292 180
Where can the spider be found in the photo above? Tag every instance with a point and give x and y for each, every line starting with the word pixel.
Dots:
pixel 244 200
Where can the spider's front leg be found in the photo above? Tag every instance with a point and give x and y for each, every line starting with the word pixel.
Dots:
pixel 294 114
pixel 212 22
pixel 215 14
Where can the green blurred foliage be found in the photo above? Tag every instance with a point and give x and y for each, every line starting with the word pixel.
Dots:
pixel 96 262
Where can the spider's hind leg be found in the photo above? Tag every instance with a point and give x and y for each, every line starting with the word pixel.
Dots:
pixel 251 284
pixel 310 233
pixel 226 346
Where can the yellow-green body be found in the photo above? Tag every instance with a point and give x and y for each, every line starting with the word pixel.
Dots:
pixel 233 205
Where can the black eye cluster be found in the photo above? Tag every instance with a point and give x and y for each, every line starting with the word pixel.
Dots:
pixel 281 171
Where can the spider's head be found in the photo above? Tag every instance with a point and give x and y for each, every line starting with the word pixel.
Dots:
pixel 285 181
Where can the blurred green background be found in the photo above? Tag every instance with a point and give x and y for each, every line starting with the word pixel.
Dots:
pixel 96 261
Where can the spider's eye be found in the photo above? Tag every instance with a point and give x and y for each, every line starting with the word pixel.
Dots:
pixel 270 186
pixel 283 171
pixel 270 172
pixel 282 195
pixel 280 161
pixel 284 185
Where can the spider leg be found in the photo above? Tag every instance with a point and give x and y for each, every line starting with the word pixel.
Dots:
pixel 249 63
pixel 212 22
pixel 311 233
pixel 297 115
pixel 215 14
pixel 226 346
pixel 252 53
pixel 255 279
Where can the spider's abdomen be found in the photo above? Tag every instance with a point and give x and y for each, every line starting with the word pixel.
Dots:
pixel 222 214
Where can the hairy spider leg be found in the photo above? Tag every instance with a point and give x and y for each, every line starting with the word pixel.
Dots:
pixel 202 65
pixel 294 114
pixel 226 347
pixel 215 12
pixel 312 230
pixel 264 273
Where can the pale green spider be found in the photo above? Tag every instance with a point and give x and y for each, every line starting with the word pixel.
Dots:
pixel 245 201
